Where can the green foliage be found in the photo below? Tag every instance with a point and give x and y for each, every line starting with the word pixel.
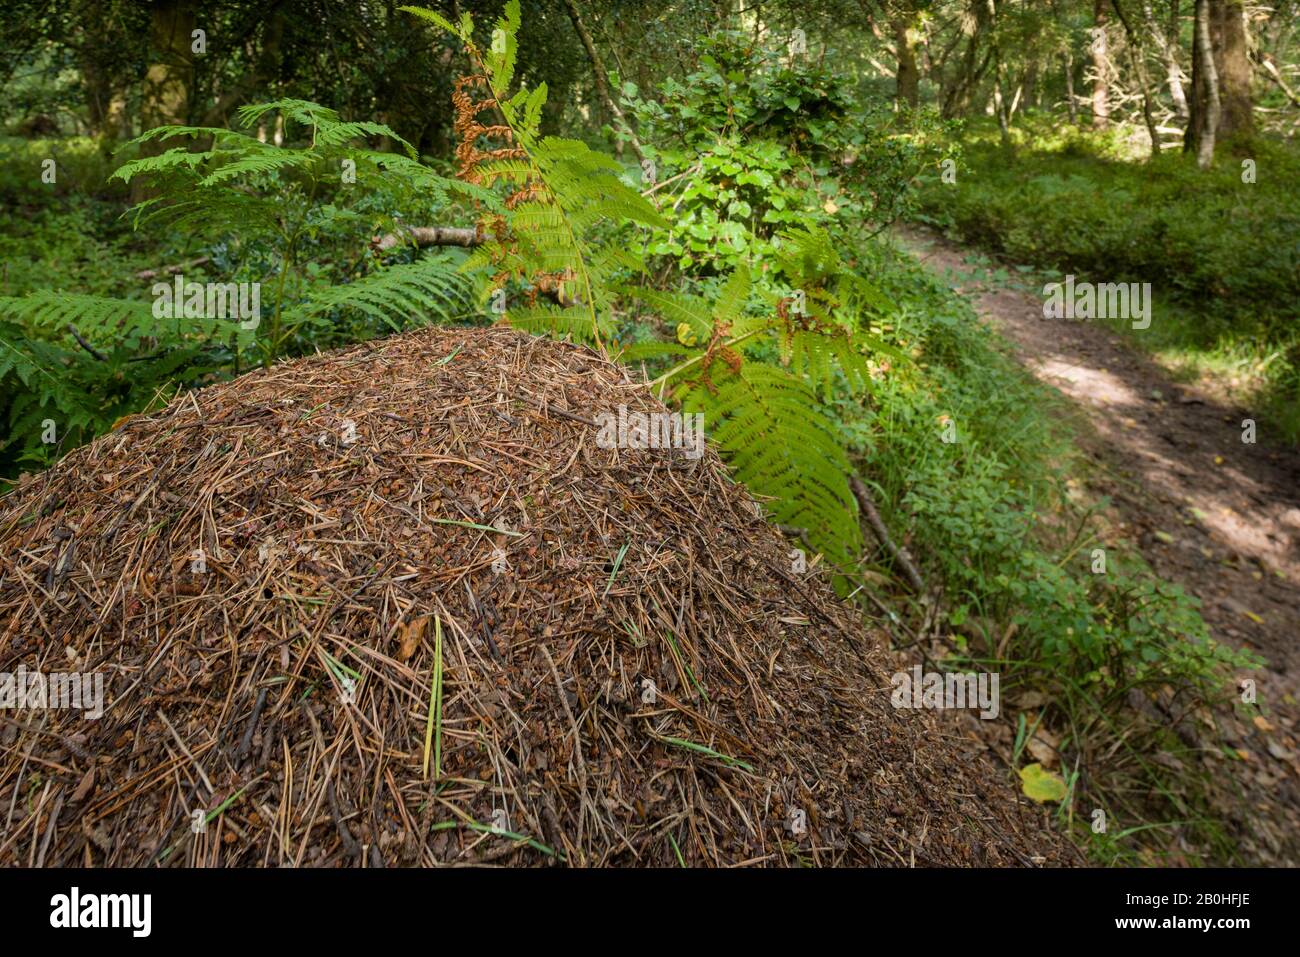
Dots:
pixel 80 167
pixel 432 285
pixel 754 373
pixel 268 215
pixel 784 446
pixel 57 393
pixel 976 506
pixel 754 142
pixel 558 234
pixel 992 519
pixel 766 416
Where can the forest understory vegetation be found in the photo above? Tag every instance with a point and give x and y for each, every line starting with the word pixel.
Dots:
pixel 722 229
pixel 1222 252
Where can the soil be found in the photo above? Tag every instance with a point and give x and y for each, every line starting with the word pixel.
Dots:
pixel 1207 510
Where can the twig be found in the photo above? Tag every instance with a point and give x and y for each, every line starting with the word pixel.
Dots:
pixel 81 341
pixel 247 739
pixel 899 554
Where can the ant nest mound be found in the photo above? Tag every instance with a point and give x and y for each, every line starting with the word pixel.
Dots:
pixel 396 605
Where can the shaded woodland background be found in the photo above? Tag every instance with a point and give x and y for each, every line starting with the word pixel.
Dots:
pixel 778 145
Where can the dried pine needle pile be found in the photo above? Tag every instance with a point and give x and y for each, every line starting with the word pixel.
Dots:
pixel 394 606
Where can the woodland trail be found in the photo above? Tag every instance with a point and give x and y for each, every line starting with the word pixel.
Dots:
pixel 1206 510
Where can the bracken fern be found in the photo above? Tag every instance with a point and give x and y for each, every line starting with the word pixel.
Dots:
pixel 755 373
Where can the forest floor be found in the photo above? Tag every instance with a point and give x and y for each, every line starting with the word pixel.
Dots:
pixel 1205 509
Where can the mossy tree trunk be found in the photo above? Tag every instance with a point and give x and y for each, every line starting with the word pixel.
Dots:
pixel 165 99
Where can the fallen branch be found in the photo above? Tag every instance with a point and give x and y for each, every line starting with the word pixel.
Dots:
pixel 900 555
pixel 423 236
pixel 672 179
pixel 172 270
pixel 1266 66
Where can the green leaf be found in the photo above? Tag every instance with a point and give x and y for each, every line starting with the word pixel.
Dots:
pixel 1041 785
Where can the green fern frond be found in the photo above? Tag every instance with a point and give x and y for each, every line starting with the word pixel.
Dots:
pixel 537 218
pixel 652 349
pixel 586 184
pixel 195 132
pixel 435 18
pixel 820 353
pixel 514 171
pixel 573 322
pixel 807 256
pixel 412 291
pixel 257 164
pixel 303 112
pixel 532 108
pixel 677 308
pixel 613 257
pixel 54 310
pixel 732 299
pixel 163 162
pixel 503 50
pixel 576 189
pixel 337 134
pixel 423 179
pixel 781 444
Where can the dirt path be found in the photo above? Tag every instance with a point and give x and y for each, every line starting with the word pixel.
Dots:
pixel 1217 515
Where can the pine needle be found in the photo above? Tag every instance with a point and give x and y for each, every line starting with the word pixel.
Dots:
pixel 482 528
pixel 617 563
pixel 433 728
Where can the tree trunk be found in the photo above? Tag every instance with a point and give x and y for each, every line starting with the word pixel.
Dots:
pixel 909 77
pixel 1071 102
pixel 957 96
pixel 171 64
pixel 1137 55
pixel 1204 105
pixel 1000 108
pixel 1168 47
pixel 602 83
pixel 116 123
pixel 165 98
pixel 100 38
pixel 1232 64
pixel 99 94
pixel 999 86
pixel 1100 86
pixel 1174 77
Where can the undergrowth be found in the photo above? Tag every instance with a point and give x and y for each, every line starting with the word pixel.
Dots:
pixel 1097 654
pixel 1221 253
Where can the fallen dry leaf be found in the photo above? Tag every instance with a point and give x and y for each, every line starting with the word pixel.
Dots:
pixel 412 632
